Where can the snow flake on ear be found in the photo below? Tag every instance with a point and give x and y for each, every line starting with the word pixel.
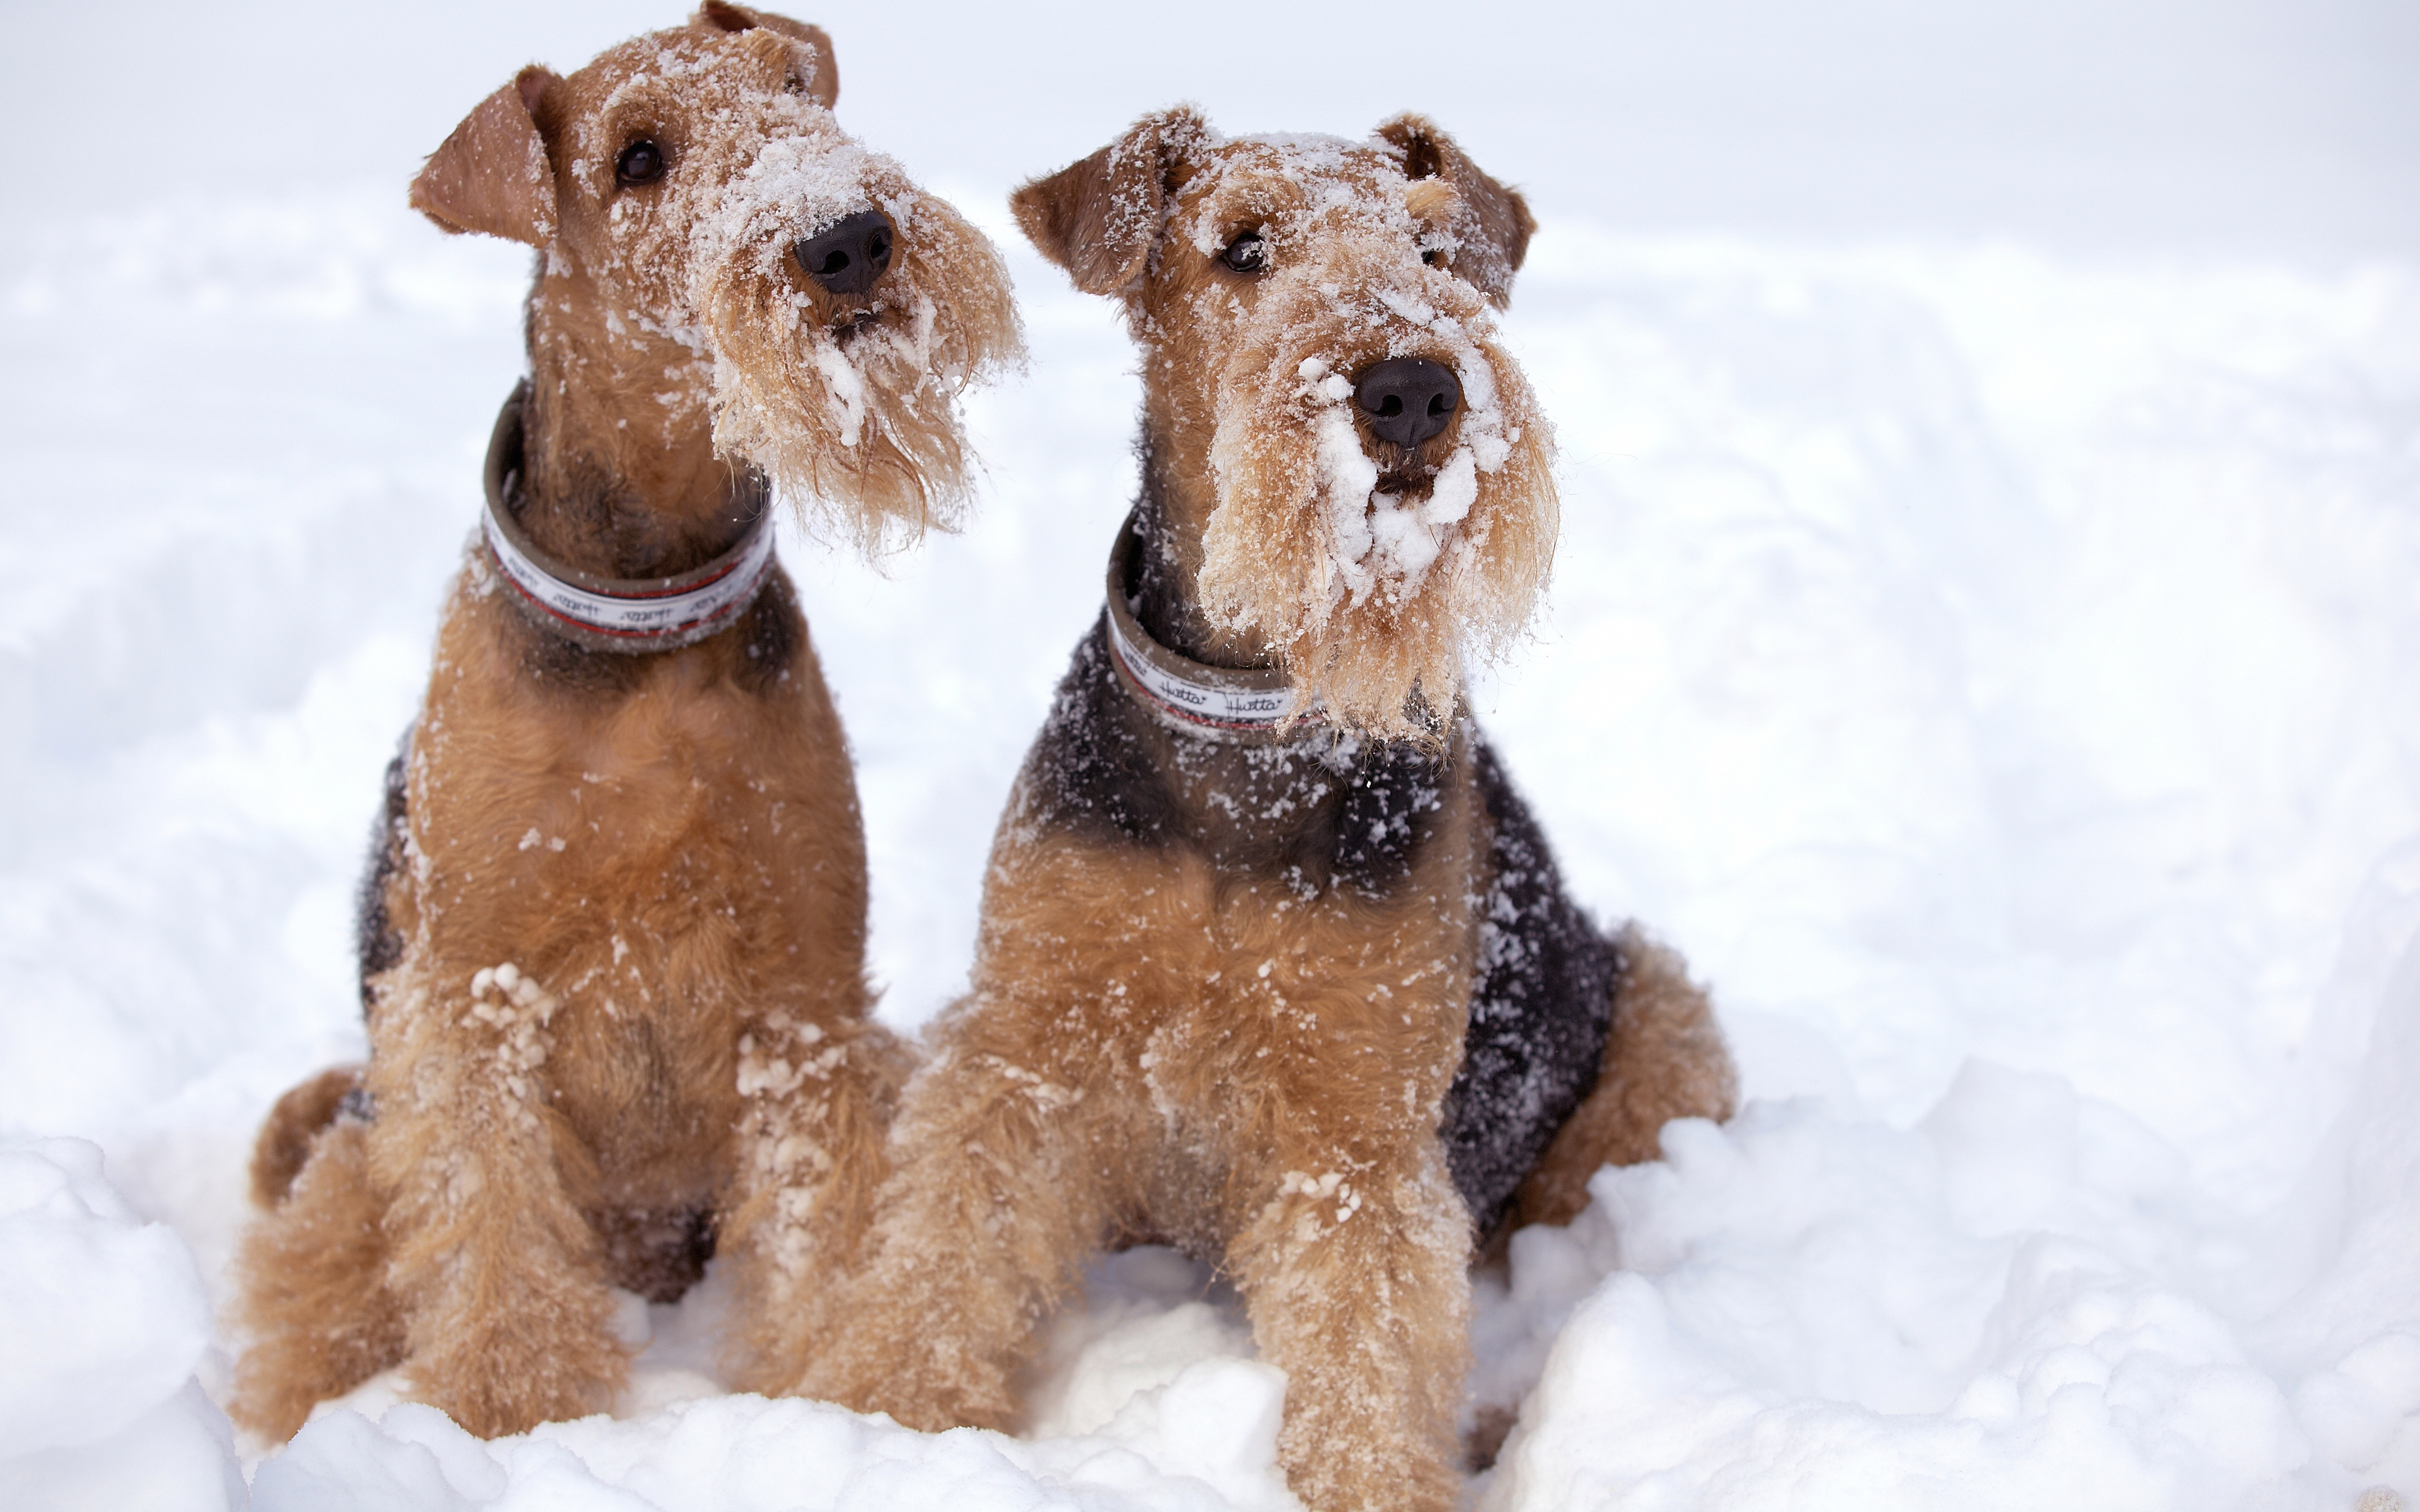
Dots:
pixel 1432 202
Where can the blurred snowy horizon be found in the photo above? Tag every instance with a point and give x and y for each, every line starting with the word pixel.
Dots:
pixel 2282 127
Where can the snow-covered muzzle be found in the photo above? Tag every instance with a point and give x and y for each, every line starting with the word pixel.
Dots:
pixel 848 400
pixel 1370 569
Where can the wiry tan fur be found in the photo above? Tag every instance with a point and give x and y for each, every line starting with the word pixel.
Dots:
pixel 293 1126
pixel 1195 1016
pixel 1397 248
pixel 780 401
pixel 323 1259
pixel 849 401
pixel 1269 556
pixel 621 1004
pixel 1152 1049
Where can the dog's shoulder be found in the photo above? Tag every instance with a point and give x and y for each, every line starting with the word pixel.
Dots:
pixel 1540 1008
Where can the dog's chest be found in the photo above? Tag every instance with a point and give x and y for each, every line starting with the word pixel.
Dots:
pixel 1268 812
pixel 665 863
pixel 681 806
pixel 1247 910
pixel 1307 815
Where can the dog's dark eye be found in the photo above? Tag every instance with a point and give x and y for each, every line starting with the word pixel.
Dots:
pixel 1432 257
pixel 1246 254
pixel 641 162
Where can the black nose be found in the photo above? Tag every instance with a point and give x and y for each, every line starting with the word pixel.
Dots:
pixel 847 255
pixel 1408 399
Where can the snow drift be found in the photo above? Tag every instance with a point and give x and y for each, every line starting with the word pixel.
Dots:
pixel 1995 670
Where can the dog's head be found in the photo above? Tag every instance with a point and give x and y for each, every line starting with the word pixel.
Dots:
pixel 690 192
pixel 1318 319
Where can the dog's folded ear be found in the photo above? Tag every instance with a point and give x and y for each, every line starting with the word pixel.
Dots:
pixel 818 72
pixel 492 175
pixel 1493 225
pixel 1100 218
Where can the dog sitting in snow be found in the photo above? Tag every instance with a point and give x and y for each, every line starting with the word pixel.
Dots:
pixel 1274 964
pixel 613 937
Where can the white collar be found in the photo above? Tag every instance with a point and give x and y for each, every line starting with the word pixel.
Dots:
pixel 628 615
pixel 1221 703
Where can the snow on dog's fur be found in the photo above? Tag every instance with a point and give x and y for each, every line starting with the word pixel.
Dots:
pixel 1369 571
pixel 614 938
pixel 847 400
pixel 859 412
pixel 1314 1007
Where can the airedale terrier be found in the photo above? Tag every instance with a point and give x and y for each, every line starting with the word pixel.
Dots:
pixel 613 941
pixel 1274 964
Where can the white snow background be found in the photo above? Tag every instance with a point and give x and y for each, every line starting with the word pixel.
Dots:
pixel 1986 638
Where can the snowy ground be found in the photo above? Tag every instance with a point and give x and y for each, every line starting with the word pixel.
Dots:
pixel 1996 666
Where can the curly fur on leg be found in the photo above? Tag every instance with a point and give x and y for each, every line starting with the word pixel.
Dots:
pixel 311 1278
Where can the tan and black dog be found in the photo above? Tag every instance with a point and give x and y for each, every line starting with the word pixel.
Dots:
pixel 614 938
pixel 1274 964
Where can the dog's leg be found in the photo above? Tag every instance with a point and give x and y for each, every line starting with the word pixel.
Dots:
pixel 508 1315
pixel 293 1127
pixel 312 1290
pixel 1664 1060
pixel 1355 1272
pixel 809 1161
pixel 1346 1236
pixel 976 1239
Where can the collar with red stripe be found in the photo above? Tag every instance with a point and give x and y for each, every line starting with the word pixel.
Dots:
pixel 1219 703
pixel 633 616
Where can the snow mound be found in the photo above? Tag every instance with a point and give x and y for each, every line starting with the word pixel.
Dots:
pixel 1204 1441
pixel 1995 670
pixel 107 1322
pixel 2003 1306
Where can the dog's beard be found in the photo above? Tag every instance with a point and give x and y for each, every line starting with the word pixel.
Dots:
pixel 859 428
pixel 1365 596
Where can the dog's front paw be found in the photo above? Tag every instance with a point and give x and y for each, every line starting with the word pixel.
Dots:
pixel 528 1364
